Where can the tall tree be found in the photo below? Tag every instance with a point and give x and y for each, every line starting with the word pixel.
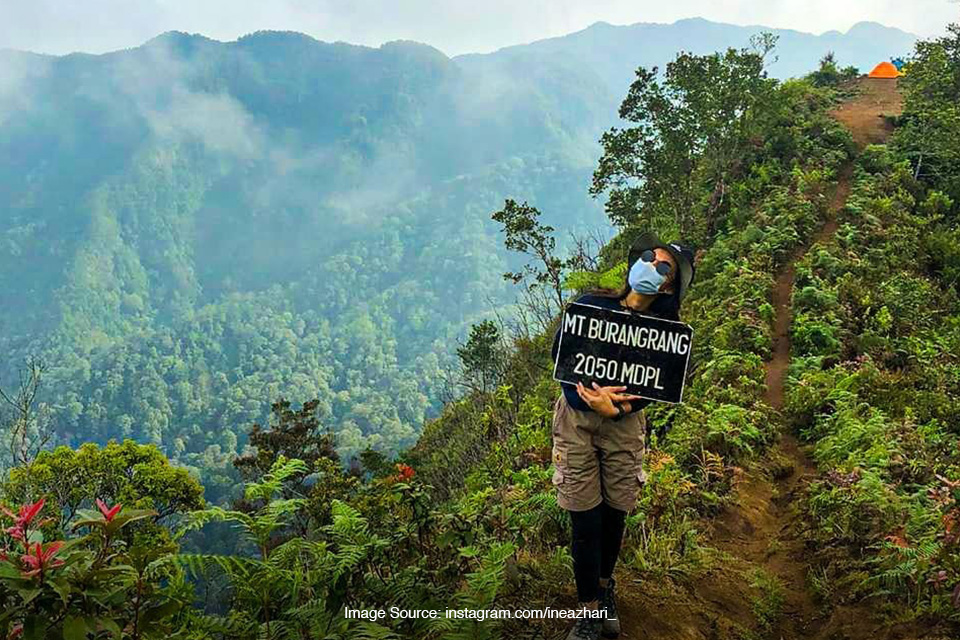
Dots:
pixel 294 433
pixel 137 475
pixel 525 234
pixel 930 131
pixel 483 357
pixel 26 420
pixel 692 129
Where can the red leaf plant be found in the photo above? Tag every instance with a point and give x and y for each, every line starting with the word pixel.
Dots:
pixel 36 557
pixel 39 558
pixel 108 513
pixel 23 519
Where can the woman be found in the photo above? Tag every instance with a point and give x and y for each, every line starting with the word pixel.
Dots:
pixel 598 436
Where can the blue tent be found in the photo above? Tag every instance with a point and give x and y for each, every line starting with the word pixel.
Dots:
pixel 898 63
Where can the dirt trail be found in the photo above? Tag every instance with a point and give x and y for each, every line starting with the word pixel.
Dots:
pixel 761 531
pixel 762 528
pixel 864 115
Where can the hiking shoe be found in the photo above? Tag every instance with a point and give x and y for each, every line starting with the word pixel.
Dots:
pixel 585 628
pixel 610 625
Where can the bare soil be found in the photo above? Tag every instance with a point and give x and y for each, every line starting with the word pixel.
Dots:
pixel 866 116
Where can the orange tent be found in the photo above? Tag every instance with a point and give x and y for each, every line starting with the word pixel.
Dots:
pixel 884 70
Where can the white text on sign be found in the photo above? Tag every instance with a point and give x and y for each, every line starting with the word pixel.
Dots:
pixel 616 333
pixel 596 367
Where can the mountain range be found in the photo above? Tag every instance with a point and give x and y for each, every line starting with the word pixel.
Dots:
pixel 190 229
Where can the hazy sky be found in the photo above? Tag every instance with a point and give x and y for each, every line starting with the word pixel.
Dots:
pixel 453 26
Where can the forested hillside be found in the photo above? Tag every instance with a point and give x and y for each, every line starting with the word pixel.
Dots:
pixel 820 501
pixel 275 217
pixel 191 229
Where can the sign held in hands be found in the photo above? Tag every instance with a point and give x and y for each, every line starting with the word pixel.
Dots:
pixel 646 354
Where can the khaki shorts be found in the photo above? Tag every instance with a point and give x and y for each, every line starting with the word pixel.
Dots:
pixel 596 459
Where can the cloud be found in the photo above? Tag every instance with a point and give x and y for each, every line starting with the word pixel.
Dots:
pixel 18 73
pixel 390 175
pixel 160 84
pixel 291 172
pixel 178 99
pixel 218 121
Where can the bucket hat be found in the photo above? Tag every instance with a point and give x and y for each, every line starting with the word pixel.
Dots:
pixel 682 256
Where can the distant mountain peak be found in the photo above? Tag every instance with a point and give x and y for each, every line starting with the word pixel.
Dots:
pixel 177 37
pixel 870 27
pixel 177 42
pixel 277 34
pixel 411 45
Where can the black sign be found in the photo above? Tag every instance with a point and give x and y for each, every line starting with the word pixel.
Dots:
pixel 648 355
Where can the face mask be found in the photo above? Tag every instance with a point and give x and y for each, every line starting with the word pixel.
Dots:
pixel 644 278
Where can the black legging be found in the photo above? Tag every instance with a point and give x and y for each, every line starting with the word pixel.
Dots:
pixel 597 535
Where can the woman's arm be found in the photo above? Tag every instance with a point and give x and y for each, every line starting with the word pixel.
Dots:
pixel 574 399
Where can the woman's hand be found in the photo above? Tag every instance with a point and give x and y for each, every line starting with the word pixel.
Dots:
pixel 602 399
pixel 599 402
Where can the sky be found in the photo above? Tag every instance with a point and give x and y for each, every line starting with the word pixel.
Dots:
pixel 453 26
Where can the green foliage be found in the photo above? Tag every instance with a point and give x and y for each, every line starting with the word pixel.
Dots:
pixel 482 357
pixel 929 132
pixel 88 585
pixel 831 75
pixel 137 475
pixel 769 600
pixel 611 279
pixel 692 137
pixel 662 540
pixel 874 386
pixel 468 517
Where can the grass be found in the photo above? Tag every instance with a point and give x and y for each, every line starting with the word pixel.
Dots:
pixel 768 603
